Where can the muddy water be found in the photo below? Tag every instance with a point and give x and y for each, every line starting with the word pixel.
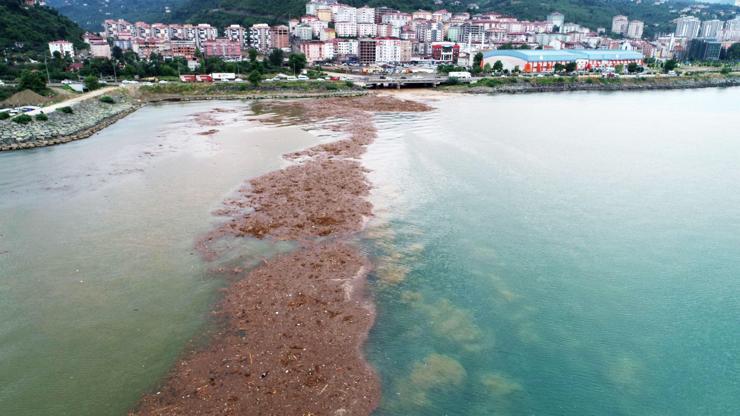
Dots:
pixel 100 289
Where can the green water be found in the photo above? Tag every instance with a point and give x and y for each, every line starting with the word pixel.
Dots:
pixel 100 289
pixel 559 254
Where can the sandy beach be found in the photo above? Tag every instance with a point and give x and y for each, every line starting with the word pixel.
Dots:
pixel 293 327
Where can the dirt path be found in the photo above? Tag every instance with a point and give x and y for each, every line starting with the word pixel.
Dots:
pixel 79 98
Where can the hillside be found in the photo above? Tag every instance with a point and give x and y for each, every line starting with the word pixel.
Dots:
pixel 591 13
pixel 33 27
pixel 90 13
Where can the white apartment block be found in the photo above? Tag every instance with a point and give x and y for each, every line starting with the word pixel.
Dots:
pixel 260 37
pixel 619 24
pixel 303 32
pixel 344 13
pixel 346 47
pixel 237 33
pixel 318 26
pixel 397 20
pixel 635 29
pixel 63 47
pixel 711 29
pixel 346 29
pixel 367 30
pixel 392 50
pixel 365 15
pixel 688 27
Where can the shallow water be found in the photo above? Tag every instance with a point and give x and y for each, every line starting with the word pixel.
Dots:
pixel 559 254
pixel 100 288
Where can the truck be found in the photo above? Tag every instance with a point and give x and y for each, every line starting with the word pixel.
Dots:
pixel 187 78
pixel 204 78
pixel 223 76
pixel 459 75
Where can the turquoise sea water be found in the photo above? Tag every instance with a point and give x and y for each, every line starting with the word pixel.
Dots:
pixel 559 254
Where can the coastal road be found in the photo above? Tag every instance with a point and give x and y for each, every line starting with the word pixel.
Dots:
pixel 78 98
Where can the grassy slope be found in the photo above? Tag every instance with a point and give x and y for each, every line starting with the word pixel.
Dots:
pixel 34 27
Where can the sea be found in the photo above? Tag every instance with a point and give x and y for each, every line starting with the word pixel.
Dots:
pixel 545 254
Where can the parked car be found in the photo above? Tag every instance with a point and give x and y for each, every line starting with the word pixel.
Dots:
pixel 2 82
pixel 161 81
pixel 67 81
pixel 303 78
pixel 31 110
pixel 129 82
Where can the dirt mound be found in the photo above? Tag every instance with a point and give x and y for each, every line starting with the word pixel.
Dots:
pixel 25 97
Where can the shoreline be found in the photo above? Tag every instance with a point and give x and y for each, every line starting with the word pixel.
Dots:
pixel 509 86
pixel 98 125
pixel 565 84
pixel 295 325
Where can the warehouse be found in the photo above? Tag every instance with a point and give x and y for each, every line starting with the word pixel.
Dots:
pixel 540 61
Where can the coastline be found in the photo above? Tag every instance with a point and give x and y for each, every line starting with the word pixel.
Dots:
pixel 52 137
pixel 484 86
pixel 565 84
pixel 295 325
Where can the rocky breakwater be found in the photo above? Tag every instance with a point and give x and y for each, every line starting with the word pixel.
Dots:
pixel 596 84
pixel 87 118
pixel 292 328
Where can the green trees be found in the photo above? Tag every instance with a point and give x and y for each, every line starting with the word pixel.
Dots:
pixel 91 83
pixel 255 77
pixel 276 57
pixel 733 52
pixel 252 53
pixel 296 62
pixel 670 65
pixel 632 68
pixel 619 69
pixel 107 99
pixel 559 67
pixel 34 81
pixel 725 70
pixel 571 67
pixel 477 60
pixel 498 66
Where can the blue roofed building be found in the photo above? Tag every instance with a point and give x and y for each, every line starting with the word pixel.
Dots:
pixel 541 61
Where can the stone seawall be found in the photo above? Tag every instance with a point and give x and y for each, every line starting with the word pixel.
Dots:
pixel 88 118
pixel 91 116
pixel 597 85
pixel 155 98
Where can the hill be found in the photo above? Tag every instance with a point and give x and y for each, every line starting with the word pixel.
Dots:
pixel 590 13
pixel 90 13
pixel 29 29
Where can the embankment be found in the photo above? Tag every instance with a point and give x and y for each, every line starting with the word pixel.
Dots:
pixel 562 84
pixel 87 118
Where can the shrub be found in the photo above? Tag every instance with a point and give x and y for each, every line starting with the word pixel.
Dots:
pixel 22 119
pixel 107 99
pixel 332 87
pixel 91 83
pixel 349 84
pixel 41 117
pixel 4 116
pixel 67 110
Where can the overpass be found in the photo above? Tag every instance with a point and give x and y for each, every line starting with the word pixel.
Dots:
pixel 401 81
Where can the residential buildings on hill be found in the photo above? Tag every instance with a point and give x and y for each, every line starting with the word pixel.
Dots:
pixel 332 31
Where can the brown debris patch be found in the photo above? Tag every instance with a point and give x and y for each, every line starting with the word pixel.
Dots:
pixel 208 132
pixel 294 326
pixel 291 345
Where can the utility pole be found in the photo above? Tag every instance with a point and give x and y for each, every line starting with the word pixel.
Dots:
pixel 48 79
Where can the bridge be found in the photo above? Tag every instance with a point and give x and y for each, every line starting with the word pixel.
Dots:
pixel 400 81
